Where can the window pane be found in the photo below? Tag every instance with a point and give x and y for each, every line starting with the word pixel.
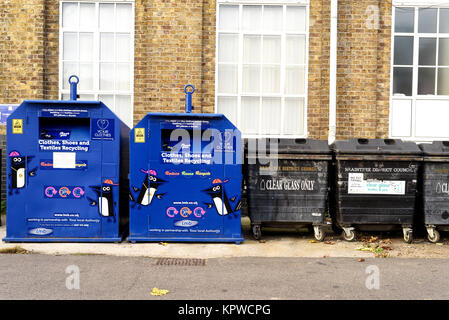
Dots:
pixel 122 44
pixel 69 68
pixel 86 76
pixel 402 81
pixel 443 81
pixel 107 15
pixel 426 81
pixel 229 18
pixel 294 80
pixel 228 48
pixel 296 19
pixel 444 20
pixel 108 100
pixel 122 79
pixel 294 116
pixel 427 51
pixel 251 79
pixel 404 20
pixel 272 18
pixel 427 20
pixel 106 76
pixel 107 46
pixel 271 79
pixel 443 52
pixel 250 115
pixel 271 115
pixel 123 108
pixel 86 46
pixel 87 97
pixel 69 15
pixel 87 15
pixel 252 18
pixel 271 49
pixel 295 49
pixel 228 107
pixel 251 49
pixel 70 46
pixel 403 50
pixel 227 78
pixel 123 16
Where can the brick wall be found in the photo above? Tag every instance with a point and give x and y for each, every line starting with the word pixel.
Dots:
pixel 363 68
pixel 174 45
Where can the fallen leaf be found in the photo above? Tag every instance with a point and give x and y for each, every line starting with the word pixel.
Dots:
pixel 262 241
pixel 312 241
pixel 439 244
pixel 361 260
pixel 329 242
pixel 325 256
pixel 163 243
pixel 159 292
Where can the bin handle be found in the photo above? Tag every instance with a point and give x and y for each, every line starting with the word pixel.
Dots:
pixel 73 87
pixel 301 141
pixel 189 106
pixel 389 141
pixel 362 141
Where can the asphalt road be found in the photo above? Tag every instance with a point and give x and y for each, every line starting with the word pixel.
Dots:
pixel 108 277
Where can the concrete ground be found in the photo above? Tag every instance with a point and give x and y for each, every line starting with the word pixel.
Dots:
pixel 37 276
pixel 285 244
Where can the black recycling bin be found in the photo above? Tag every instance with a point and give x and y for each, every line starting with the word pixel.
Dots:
pixel 375 185
pixel 435 188
pixel 288 186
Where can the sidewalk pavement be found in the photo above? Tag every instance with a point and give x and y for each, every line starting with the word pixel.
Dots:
pixel 274 244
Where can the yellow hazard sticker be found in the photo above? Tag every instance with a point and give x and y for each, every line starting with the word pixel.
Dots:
pixel 17 126
pixel 139 135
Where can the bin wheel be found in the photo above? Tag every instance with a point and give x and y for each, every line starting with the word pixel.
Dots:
pixel 319 233
pixel 349 236
pixel 257 233
pixel 408 236
pixel 433 236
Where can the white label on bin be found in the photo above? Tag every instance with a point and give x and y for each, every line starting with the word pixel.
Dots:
pixel 64 160
pixel 357 185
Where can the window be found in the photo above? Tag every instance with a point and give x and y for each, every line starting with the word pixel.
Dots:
pixel 96 43
pixel 420 73
pixel 261 71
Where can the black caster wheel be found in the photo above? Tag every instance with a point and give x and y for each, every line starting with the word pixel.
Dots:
pixel 408 236
pixel 319 233
pixel 257 233
pixel 350 236
pixel 435 237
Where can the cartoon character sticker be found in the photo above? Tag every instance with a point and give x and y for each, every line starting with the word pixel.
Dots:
pixel 149 188
pixel 220 200
pixel 104 198
pixel 18 173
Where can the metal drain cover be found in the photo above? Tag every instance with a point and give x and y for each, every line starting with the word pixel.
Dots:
pixel 180 262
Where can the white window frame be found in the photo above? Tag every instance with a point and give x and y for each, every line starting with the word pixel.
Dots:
pixel 415 96
pixel 96 57
pixel 282 95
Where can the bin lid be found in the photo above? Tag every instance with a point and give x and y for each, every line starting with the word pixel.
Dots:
pixel 375 146
pixel 293 146
pixel 437 148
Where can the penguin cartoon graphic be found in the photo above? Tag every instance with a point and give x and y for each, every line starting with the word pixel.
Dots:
pixel 149 188
pixel 105 200
pixel 18 173
pixel 220 199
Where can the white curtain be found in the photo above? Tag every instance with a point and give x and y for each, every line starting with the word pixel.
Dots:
pixel 294 116
pixel 271 115
pixel 250 115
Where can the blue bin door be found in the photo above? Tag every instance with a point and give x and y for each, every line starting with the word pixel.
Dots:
pixel 67 208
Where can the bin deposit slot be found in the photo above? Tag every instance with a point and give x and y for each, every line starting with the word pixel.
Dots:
pixel 187 140
pixel 52 128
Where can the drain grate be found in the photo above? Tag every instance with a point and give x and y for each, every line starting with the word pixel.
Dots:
pixel 180 262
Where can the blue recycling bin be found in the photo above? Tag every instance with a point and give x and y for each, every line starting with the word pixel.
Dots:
pixel 185 178
pixel 67 164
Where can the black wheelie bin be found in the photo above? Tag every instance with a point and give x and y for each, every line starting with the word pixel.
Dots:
pixel 375 185
pixel 435 188
pixel 287 183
